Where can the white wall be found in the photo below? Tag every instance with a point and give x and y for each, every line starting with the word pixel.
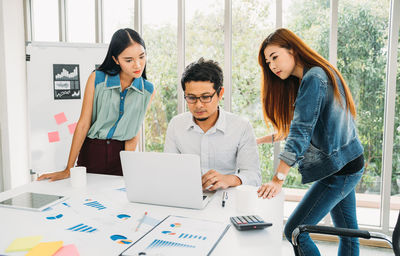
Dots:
pixel 2 94
pixel 13 95
pixel 1 159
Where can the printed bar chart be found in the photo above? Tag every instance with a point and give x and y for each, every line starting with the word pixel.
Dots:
pixel 82 228
pixel 157 243
pixel 95 204
pixel 177 235
pixel 190 236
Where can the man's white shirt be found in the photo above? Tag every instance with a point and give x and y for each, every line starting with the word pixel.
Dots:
pixel 229 147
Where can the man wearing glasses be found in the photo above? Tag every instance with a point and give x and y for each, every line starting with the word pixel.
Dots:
pixel 225 142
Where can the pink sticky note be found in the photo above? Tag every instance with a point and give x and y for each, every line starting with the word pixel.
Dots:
pixel 71 128
pixel 68 250
pixel 60 118
pixel 53 137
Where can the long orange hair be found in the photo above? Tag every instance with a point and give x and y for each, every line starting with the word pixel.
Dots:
pixel 278 96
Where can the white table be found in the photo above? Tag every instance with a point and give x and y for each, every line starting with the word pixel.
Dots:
pixel 19 223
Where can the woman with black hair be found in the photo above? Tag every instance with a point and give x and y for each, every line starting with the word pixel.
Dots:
pixel 116 97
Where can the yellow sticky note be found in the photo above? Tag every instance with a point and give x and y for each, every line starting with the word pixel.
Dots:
pixel 24 243
pixel 45 249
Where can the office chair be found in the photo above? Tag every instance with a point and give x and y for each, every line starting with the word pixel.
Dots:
pixel 394 242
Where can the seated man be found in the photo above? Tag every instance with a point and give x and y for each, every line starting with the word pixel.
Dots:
pixel 225 142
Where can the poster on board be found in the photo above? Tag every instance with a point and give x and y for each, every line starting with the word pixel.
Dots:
pixel 66 81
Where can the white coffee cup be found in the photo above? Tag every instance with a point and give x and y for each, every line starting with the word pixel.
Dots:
pixel 78 176
pixel 246 199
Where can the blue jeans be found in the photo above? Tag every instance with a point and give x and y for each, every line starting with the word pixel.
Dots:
pixel 334 194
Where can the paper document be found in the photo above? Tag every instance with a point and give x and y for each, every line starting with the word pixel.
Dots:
pixel 177 235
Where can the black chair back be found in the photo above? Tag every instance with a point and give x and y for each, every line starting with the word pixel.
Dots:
pixel 395 241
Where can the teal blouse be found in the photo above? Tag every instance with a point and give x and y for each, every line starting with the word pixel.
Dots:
pixel 118 114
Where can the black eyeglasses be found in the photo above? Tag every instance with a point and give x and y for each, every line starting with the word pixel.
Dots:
pixel 191 99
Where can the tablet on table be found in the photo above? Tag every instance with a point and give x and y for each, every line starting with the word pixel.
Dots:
pixel 32 201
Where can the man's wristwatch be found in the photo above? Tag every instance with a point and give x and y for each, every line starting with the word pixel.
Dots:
pixel 280 176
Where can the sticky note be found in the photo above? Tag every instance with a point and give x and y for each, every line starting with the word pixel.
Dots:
pixel 24 243
pixel 60 118
pixel 53 137
pixel 45 249
pixel 71 128
pixel 68 250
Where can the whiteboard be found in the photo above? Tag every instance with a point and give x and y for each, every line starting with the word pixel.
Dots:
pixel 51 120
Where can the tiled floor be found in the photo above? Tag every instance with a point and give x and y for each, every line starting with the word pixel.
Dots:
pixel 330 249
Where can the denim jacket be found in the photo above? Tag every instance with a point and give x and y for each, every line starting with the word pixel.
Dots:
pixel 322 137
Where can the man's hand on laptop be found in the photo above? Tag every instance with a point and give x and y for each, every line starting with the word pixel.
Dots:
pixel 213 180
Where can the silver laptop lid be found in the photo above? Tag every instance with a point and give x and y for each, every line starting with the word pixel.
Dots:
pixel 163 178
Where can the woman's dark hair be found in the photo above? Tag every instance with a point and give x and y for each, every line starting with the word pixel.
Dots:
pixel 203 70
pixel 121 39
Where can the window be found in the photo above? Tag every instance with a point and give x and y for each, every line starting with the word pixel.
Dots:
pixel 45 20
pixel 395 189
pixel 312 26
pixel 117 14
pixel 252 22
pixel 204 30
pixel 362 60
pixel 80 21
pixel 160 36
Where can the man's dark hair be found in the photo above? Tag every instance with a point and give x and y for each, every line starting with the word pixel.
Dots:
pixel 203 70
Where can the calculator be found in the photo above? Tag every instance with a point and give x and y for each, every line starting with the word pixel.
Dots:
pixel 249 222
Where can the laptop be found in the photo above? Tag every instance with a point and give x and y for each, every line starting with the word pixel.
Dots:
pixel 164 179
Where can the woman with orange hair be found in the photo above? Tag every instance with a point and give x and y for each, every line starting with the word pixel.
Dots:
pixel 309 104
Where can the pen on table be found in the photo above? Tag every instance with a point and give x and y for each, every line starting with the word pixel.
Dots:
pixel 224 197
pixel 141 221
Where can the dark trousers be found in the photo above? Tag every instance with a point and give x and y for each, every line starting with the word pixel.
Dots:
pixel 101 156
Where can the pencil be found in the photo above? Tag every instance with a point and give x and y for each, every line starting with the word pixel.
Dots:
pixel 141 221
